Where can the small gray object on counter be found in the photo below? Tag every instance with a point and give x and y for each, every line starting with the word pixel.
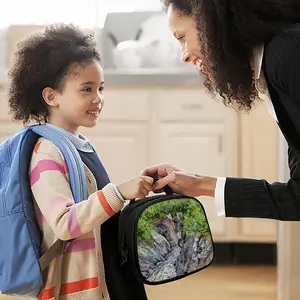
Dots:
pixel 120 27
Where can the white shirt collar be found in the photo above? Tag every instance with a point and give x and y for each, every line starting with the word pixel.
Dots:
pixel 260 81
pixel 258 53
pixel 80 142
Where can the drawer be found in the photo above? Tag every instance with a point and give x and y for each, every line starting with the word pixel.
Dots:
pixel 187 105
pixel 126 104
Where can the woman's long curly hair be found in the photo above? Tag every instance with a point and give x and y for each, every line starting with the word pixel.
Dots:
pixel 228 32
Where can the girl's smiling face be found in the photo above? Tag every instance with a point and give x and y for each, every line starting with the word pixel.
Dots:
pixel 81 99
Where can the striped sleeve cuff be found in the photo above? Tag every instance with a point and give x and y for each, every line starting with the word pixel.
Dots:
pixel 118 193
pixel 111 202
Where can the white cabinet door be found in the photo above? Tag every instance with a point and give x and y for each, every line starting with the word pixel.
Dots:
pixel 122 147
pixel 199 149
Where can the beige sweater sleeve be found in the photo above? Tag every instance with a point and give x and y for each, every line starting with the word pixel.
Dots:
pixel 51 189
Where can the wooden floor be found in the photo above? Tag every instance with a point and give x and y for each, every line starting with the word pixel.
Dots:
pixel 217 283
pixel 221 283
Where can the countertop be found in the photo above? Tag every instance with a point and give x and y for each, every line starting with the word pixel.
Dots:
pixel 146 77
pixel 170 77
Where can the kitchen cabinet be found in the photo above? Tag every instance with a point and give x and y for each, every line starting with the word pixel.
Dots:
pixel 148 124
pixel 191 133
pixel 179 126
pixel 122 148
pixel 185 127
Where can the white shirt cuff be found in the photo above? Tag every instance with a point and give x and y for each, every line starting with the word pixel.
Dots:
pixel 220 196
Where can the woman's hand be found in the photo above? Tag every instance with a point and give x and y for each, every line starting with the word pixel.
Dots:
pixel 181 181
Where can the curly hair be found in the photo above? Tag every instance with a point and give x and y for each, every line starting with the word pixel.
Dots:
pixel 228 30
pixel 44 60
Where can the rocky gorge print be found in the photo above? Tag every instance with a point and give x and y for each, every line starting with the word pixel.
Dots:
pixel 174 240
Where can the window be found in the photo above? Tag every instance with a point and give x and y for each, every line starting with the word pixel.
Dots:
pixel 86 13
pixel 82 13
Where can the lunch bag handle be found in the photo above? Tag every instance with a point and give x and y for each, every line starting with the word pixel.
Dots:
pixel 167 190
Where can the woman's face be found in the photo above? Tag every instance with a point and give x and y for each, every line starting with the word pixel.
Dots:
pixel 185 31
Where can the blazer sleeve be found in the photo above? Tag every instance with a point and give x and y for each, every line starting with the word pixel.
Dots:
pixel 258 198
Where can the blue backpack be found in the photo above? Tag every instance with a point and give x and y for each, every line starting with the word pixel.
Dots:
pixel 21 263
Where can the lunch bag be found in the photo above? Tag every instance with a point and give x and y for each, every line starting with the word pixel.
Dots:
pixel 165 237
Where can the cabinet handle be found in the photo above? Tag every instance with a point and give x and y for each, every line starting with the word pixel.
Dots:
pixel 191 106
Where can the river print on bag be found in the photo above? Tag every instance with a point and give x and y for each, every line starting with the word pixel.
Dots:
pixel 164 238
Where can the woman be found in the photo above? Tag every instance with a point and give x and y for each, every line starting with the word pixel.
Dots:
pixel 246 49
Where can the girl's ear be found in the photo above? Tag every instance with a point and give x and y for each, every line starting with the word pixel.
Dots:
pixel 49 95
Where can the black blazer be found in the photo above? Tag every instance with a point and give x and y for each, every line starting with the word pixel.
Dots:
pixel 259 198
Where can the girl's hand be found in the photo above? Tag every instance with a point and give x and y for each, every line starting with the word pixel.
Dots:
pixel 138 187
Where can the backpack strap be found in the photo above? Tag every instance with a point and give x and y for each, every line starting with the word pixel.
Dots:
pixel 55 250
pixel 78 188
pixel 72 157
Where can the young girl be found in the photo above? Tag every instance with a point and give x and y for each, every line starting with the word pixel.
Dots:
pixel 57 79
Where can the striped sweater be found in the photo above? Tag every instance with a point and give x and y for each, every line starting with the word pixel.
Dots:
pixel 82 272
